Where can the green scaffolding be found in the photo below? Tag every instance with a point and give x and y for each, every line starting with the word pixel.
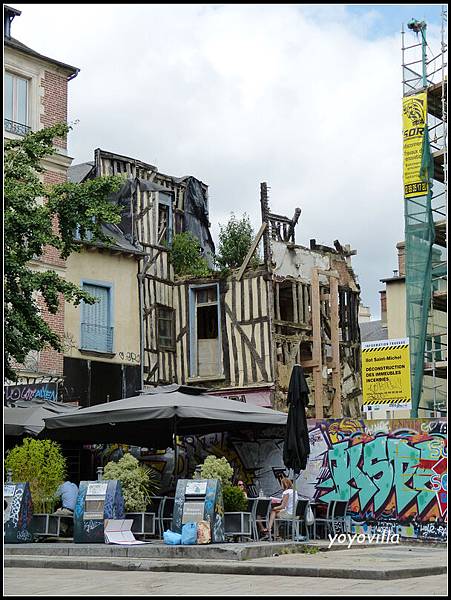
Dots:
pixel 420 235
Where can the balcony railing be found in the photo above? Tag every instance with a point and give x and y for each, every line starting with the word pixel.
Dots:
pixel 97 338
pixel 17 128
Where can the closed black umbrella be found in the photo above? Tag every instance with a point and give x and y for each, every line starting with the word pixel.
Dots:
pixel 296 447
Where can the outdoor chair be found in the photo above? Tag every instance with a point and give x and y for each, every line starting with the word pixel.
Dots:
pixel 299 517
pixel 339 522
pixel 259 507
pixel 165 514
pixel 336 518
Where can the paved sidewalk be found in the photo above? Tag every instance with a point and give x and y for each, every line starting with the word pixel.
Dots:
pixel 65 582
pixel 375 563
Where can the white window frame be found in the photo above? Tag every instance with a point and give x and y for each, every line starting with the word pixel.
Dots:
pixel 15 104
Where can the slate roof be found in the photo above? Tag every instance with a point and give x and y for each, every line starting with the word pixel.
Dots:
pixel 13 43
pixel 373 331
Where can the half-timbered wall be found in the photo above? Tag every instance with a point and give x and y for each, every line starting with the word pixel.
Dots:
pixel 247 321
pixel 245 332
pixel 149 189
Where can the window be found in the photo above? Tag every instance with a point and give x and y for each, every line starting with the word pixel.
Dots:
pixel 165 325
pixel 16 104
pixel 96 330
pixel 164 218
pixel 205 339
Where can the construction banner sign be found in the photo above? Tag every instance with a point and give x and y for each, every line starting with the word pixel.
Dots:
pixel 386 373
pixel 414 121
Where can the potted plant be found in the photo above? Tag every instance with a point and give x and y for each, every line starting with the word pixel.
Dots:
pixel 236 519
pixel 139 482
pixel 42 464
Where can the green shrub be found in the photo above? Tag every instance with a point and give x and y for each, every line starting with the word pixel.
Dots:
pixel 186 256
pixel 234 498
pixel 216 468
pixel 235 240
pixel 139 482
pixel 42 464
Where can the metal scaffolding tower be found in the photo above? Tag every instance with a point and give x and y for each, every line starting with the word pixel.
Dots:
pixel 425 221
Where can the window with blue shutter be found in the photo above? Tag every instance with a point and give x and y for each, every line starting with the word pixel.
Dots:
pixel 96 329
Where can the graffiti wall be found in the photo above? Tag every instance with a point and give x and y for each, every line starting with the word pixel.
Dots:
pixel 394 472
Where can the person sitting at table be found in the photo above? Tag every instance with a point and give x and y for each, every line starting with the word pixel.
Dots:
pixel 286 508
pixel 242 487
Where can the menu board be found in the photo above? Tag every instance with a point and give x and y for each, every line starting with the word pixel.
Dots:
pixel 97 489
pixel 196 488
pixel 193 511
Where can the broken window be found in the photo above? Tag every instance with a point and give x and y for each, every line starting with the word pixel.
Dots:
pixel 286 301
pixel 205 343
pixel 164 218
pixel 165 325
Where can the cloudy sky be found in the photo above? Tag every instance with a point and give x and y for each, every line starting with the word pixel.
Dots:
pixel 304 97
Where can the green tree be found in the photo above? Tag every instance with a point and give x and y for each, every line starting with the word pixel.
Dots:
pixel 186 256
pixel 37 216
pixel 235 240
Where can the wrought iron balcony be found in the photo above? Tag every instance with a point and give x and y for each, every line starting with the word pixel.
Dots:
pixel 97 338
pixel 17 128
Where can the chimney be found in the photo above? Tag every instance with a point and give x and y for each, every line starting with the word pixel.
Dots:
pixel 401 246
pixel 383 294
pixel 8 16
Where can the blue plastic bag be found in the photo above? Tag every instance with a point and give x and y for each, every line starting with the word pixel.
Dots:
pixel 189 533
pixel 172 538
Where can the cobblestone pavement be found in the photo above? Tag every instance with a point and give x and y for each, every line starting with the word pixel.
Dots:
pixel 71 582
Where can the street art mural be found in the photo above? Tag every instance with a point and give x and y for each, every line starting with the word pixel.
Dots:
pixel 393 473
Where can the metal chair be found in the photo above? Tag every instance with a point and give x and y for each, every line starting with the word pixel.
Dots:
pixel 165 513
pixel 156 503
pixel 300 516
pixel 259 507
pixel 339 522
pixel 326 521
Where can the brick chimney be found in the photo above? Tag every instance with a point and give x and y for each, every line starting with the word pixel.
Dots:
pixel 383 294
pixel 401 246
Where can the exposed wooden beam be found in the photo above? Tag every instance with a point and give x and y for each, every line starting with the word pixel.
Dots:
pixel 316 351
pixel 252 249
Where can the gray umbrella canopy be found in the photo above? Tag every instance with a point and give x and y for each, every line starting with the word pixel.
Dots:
pixel 27 416
pixel 151 419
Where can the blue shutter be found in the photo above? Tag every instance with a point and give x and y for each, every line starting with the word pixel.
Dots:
pixel 95 327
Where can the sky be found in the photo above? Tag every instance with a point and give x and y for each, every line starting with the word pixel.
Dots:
pixel 304 97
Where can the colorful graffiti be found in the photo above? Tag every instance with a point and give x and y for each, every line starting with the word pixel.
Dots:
pixel 392 472
pixel 30 391
pixel 388 477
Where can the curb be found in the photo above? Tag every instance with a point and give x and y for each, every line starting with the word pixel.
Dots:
pixel 218 568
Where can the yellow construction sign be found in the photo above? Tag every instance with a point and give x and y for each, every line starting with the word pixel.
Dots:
pixel 386 373
pixel 414 120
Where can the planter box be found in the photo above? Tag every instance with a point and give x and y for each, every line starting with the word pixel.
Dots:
pixel 143 522
pixel 238 523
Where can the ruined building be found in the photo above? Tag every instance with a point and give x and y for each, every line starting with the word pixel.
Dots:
pixel 239 335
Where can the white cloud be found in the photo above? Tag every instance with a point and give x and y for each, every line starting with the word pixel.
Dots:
pixel 235 95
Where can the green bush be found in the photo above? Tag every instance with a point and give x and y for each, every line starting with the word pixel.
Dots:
pixel 42 464
pixel 186 256
pixel 139 482
pixel 216 468
pixel 234 498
